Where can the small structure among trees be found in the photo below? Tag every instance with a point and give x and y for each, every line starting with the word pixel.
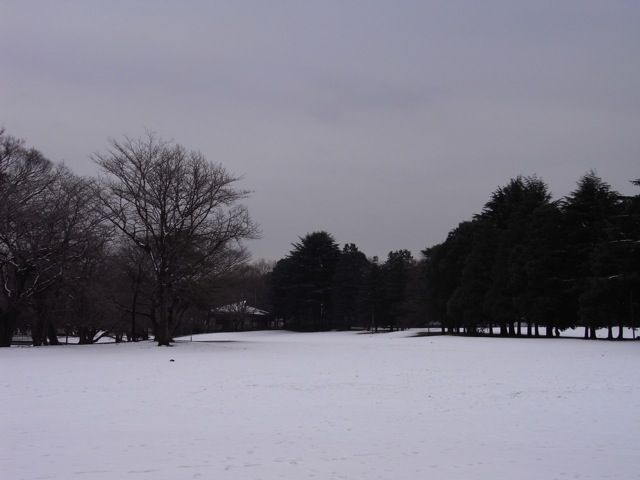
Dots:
pixel 240 316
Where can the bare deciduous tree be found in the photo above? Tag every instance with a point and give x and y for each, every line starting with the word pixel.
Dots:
pixel 75 235
pixel 26 252
pixel 48 221
pixel 180 209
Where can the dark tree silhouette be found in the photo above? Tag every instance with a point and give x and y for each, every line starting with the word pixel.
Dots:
pixel 349 283
pixel 180 209
pixel 590 214
pixel 303 283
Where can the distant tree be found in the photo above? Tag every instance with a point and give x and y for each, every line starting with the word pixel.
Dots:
pixel 283 292
pixel 443 267
pixel 83 297
pixel 47 217
pixel 591 212
pixel 373 296
pixel 303 283
pixel 415 308
pixel 631 252
pixel 178 208
pixel 607 299
pixel 468 302
pixel 541 301
pixel 131 289
pixel 25 180
pixel 348 288
pixel 77 228
pixel 396 273
pixel 508 216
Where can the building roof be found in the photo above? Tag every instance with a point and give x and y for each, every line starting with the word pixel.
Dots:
pixel 240 307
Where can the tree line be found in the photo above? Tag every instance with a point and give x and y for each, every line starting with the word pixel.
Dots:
pixel 319 286
pixel 525 265
pixel 136 250
pixel 526 259
pixel 157 241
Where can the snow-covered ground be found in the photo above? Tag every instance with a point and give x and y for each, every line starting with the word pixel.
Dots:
pixel 271 405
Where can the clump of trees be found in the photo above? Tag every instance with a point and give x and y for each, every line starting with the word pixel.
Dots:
pixel 319 286
pixel 529 260
pixel 132 251
pixel 50 235
pixel 181 211
pixel 156 243
pixel 524 262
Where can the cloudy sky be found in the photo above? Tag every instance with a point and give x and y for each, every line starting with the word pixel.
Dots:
pixel 383 122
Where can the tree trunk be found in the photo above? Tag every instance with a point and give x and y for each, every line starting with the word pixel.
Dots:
pixel 134 305
pixel 586 333
pixel 162 328
pixel 52 333
pixel 549 331
pixel 44 331
pixel 38 336
pixel 154 321
pixel 83 336
pixel 593 333
pixel 8 320
pixel 536 330
pixel 620 331
pixel 609 332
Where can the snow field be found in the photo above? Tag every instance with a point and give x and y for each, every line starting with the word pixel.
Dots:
pixel 339 405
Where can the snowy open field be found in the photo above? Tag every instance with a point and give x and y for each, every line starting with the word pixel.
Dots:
pixel 270 405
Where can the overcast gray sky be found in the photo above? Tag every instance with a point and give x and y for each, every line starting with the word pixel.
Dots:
pixel 383 122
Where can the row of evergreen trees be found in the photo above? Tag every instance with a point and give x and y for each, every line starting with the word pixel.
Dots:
pixel 526 261
pixel 157 245
pixel 320 287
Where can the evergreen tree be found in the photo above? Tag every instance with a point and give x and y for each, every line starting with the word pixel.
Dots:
pixel 396 274
pixel 443 267
pixel 466 305
pixel 508 215
pixel 283 292
pixel 373 298
pixel 302 283
pixel 541 302
pixel 591 213
pixel 349 283
pixel 632 255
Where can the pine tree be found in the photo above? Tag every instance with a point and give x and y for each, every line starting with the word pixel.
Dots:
pixel 396 273
pixel 302 283
pixel 349 283
pixel 591 213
